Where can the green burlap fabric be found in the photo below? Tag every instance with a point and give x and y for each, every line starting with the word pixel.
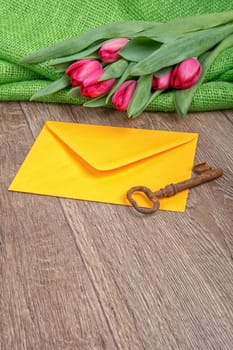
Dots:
pixel 29 25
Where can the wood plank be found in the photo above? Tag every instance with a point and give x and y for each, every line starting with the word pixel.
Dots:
pixel 228 115
pixel 47 298
pixel 165 281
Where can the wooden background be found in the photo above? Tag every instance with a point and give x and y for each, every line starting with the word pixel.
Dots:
pixel 85 275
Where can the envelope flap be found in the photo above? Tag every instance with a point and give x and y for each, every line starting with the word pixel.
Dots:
pixel 107 148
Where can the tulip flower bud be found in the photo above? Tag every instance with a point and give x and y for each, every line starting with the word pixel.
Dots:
pixel 121 98
pixel 79 70
pixel 109 51
pixel 161 82
pixel 186 73
pixel 92 87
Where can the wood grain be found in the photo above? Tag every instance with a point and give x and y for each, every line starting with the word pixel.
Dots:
pixel 163 281
pixel 47 298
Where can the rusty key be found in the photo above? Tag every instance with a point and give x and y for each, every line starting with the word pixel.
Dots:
pixel 204 174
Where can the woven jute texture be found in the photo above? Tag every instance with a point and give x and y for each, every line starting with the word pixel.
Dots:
pixel 29 25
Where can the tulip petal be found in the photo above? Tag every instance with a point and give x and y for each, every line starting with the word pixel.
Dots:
pixel 93 77
pixel 109 52
pixel 162 82
pixel 186 73
pixel 123 95
pixel 92 87
pixel 76 65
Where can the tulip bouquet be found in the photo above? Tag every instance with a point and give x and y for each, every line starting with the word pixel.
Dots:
pixel 126 65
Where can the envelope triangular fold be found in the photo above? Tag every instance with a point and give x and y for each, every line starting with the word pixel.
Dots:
pixel 107 148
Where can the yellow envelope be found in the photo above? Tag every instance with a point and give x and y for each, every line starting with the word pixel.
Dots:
pixel 101 163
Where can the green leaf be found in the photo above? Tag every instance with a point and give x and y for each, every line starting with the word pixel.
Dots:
pixel 74 92
pixel 139 48
pixel 182 25
pixel 114 70
pixel 88 53
pixel 61 68
pixel 96 102
pixel 183 98
pixel 141 96
pixel 71 59
pixel 123 78
pixel 128 29
pixel 163 71
pixel 178 50
pixel 154 95
pixel 82 41
pixel 55 86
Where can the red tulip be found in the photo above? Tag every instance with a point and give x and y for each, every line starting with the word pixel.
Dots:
pixel 109 51
pixel 123 95
pixel 186 73
pixel 79 70
pixel 161 82
pixel 92 87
